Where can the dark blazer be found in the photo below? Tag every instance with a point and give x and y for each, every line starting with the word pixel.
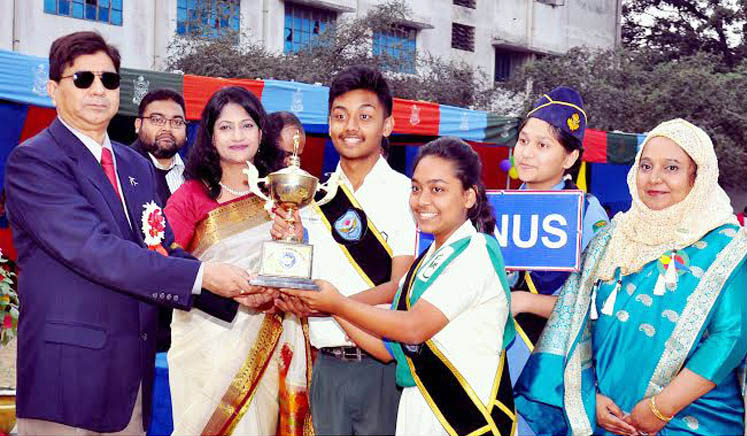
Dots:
pixel 89 289
pixel 163 333
pixel 162 187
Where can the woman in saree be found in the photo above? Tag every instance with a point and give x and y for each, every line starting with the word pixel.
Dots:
pixel 249 376
pixel 450 320
pixel 649 337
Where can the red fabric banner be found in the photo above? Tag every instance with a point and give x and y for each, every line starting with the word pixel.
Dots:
pixel 595 146
pixel 198 90
pixel 416 117
pixel 37 119
pixel 491 156
pixel 312 159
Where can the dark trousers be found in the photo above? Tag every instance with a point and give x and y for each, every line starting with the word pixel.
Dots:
pixel 353 397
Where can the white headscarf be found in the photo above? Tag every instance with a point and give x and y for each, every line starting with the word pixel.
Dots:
pixel 642 235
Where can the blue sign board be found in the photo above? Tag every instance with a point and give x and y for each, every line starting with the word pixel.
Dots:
pixel 537 230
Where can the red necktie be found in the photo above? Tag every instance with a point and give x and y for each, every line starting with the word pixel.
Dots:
pixel 107 162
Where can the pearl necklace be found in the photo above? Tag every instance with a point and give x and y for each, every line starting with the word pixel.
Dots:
pixel 233 191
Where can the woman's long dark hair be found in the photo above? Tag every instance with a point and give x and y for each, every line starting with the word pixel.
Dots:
pixel 468 169
pixel 569 142
pixel 203 162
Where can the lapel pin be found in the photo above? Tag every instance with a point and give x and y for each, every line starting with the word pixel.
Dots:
pixel 133 182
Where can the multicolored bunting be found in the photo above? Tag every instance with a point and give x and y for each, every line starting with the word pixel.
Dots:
pixel 595 146
pixel 23 79
pixel 136 84
pixel 611 147
pixel 20 122
pixel 26 109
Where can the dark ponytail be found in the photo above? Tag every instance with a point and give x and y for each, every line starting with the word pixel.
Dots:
pixel 469 171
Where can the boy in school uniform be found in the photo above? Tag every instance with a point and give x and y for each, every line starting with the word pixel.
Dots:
pixel 364 242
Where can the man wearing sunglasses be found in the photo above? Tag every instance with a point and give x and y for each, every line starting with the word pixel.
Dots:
pixel 95 267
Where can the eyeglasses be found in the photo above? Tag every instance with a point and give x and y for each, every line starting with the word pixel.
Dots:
pixel 84 79
pixel 160 121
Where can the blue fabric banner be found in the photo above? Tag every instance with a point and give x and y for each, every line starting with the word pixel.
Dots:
pixel 14 117
pixel 23 79
pixel 307 102
pixel 463 123
pixel 608 184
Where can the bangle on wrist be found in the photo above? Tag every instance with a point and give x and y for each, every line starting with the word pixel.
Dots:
pixel 655 410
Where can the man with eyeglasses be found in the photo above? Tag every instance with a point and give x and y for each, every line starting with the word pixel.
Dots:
pixel 97 259
pixel 161 129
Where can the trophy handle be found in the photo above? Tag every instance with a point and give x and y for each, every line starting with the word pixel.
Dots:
pixel 330 189
pixel 253 179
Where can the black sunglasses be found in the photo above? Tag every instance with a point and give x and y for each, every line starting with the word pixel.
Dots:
pixel 84 79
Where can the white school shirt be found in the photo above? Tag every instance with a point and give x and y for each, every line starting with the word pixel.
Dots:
pixel 469 293
pixel 384 197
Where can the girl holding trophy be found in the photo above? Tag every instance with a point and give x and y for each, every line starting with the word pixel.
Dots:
pixel 450 320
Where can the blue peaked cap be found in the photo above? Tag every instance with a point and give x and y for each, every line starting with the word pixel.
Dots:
pixel 563 108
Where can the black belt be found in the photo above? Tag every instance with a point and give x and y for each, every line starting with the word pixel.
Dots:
pixel 345 353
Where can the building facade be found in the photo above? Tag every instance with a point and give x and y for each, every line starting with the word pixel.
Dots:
pixel 495 35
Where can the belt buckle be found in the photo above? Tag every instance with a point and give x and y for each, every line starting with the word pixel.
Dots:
pixel 351 354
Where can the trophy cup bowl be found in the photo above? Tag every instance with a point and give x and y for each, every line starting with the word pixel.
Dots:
pixel 292 188
pixel 287 263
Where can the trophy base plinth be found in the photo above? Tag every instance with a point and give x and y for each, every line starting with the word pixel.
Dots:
pixel 284 282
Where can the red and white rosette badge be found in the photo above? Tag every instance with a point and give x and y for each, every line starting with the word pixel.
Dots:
pixel 154 227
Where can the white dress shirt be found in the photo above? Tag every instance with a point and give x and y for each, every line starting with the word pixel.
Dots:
pixel 384 197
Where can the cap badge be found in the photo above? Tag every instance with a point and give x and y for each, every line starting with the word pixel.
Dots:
pixel 573 122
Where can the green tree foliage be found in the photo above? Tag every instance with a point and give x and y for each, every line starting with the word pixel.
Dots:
pixel 685 27
pixel 633 90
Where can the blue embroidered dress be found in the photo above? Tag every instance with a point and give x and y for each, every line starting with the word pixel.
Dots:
pixel 642 345
pixel 548 283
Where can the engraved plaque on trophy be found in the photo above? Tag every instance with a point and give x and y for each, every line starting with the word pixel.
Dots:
pixel 287 263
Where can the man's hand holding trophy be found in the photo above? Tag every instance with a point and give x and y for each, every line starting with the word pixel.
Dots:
pixel 286 263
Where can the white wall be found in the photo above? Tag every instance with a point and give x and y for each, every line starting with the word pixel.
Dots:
pixel 36 30
pixel 6 24
pixel 149 25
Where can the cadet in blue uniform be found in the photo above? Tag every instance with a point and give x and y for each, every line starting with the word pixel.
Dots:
pixel 547 157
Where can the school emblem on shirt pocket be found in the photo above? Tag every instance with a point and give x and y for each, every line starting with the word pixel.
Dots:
pixel 350 227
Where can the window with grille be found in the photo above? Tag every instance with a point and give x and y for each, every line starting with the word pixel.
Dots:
pixel 462 37
pixel 399 44
pixel 502 65
pixel 208 18
pixel 304 24
pixel 105 11
pixel 472 4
